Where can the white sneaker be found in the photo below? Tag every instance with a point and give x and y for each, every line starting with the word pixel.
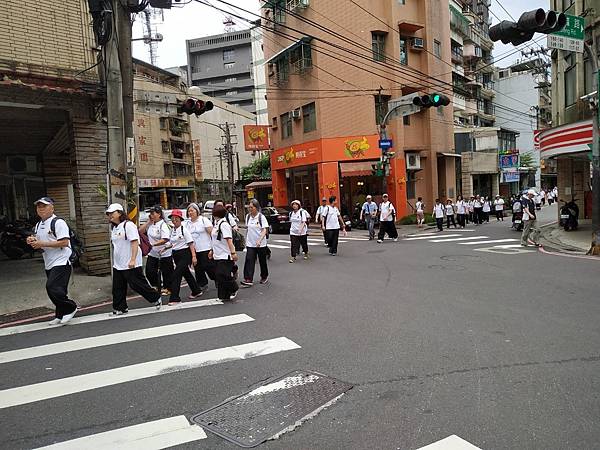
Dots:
pixel 68 317
pixel 395 239
pixel 233 296
pixel 157 304
pixel 54 321
pixel 379 241
pixel 116 313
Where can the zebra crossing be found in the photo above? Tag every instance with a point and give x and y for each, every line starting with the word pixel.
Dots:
pixel 463 237
pixel 283 243
pixel 155 434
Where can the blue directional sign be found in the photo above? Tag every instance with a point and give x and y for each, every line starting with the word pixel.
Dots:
pixel 385 144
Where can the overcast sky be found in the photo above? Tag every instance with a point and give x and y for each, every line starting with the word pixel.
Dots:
pixel 195 20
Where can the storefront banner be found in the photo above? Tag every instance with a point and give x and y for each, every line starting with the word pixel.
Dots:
pixel 256 137
pixel 161 182
pixel 511 176
pixel 508 161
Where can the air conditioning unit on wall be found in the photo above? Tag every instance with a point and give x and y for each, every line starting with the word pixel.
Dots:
pixel 417 43
pixel 413 161
pixel 295 114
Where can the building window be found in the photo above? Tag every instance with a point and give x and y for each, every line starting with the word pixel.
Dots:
pixel 274 122
pixel 229 55
pixel 403 50
pixel 411 184
pixel 168 168
pixel 406 121
pixel 309 117
pixel 230 80
pixel 381 107
pixel 588 76
pixel 163 123
pixel 570 80
pixel 402 2
pixel 286 126
pixel 231 93
pixel 229 65
pixel 437 48
pixel 165 146
pixel 378 44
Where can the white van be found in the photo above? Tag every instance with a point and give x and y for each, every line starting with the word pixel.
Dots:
pixel 208 207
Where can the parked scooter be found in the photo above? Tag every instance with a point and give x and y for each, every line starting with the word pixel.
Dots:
pixel 569 213
pixel 517 216
pixel 13 240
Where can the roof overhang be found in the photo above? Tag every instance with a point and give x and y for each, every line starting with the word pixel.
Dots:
pixel 409 26
pixel 299 42
pixel 450 155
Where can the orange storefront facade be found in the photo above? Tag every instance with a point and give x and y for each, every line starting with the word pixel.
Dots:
pixel 338 166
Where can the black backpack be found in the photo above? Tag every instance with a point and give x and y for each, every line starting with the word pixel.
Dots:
pixel 76 244
pixel 239 242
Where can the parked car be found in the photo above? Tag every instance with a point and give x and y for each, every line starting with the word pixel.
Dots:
pixel 278 218
pixel 208 207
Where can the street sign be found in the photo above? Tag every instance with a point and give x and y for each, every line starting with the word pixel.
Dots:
pixel 385 144
pixel 570 37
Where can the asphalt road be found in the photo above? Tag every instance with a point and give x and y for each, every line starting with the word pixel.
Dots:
pixel 492 344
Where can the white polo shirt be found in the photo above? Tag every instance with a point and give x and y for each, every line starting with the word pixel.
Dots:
pixel 54 256
pixel 255 226
pixel 156 232
pixel 449 209
pixel 499 204
pixel 121 237
pixel 298 222
pixel 199 232
pixel 219 247
pixel 331 214
pixel 438 211
pixel 181 238
pixel 460 207
pixel 386 211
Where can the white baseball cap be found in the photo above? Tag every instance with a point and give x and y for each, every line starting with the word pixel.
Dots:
pixel 368 196
pixel 531 192
pixel 114 207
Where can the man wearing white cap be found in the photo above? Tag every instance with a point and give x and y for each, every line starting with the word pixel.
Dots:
pixel 369 212
pixel 52 237
pixel 529 220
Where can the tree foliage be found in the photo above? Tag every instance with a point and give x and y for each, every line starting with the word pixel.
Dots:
pixel 526 160
pixel 259 169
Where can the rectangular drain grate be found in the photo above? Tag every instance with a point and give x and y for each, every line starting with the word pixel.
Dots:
pixel 273 408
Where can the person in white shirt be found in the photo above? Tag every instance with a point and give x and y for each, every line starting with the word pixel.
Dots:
pixel 224 254
pixel 200 228
pixel 486 209
pixel 319 217
pixel 499 208
pixel 438 213
pixel 127 261
pixel 331 222
pixel 257 227
pixel 56 248
pixel 461 211
pixel 471 210
pixel 478 210
pixel 158 265
pixel 543 197
pixel 386 220
pixel 450 214
pixel 184 255
pixel 420 209
pixel 299 220
pixel 369 213
pixel 550 197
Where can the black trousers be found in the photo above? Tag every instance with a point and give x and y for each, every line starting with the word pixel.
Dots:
pixel 136 280
pixel 157 268
pixel 486 216
pixel 204 268
pixel 183 259
pixel 332 240
pixel 56 287
pixel 389 227
pixel 226 285
pixel 478 215
pixel 461 219
pixel 440 223
pixel 249 264
pixel 499 215
pixel 450 219
pixel 325 237
pixel 296 242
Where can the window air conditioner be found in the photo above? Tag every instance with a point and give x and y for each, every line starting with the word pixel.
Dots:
pixel 417 43
pixel 413 161
pixel 295 114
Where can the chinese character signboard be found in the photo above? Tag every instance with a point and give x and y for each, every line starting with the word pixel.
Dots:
pixel 570 37
pixel 510 176
pixel 256 137
pixel 508 159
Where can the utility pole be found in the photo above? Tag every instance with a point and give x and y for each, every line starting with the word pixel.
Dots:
pixel 592 55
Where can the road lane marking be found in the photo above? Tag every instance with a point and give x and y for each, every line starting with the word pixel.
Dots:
pixel 450 443
pixel 494 241
pixel 120 338
pixel 429 237
pixel 154 435
pixel 80 383
pixel 105 316
pixel 470 238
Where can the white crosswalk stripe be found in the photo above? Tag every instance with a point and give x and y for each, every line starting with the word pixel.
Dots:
pixel 505 246
pixel 493 241
pixel 421 238
pixel 470 238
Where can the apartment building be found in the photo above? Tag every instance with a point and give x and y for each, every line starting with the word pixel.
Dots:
pixel 325 104
pixel 53 140
pixel 221 66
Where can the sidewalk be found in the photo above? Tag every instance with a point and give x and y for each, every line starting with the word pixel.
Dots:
pixel 553 237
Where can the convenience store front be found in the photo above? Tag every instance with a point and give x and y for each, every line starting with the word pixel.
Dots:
pixel 335 166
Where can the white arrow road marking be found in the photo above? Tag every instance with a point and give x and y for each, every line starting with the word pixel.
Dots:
pixel 120 338
pixel 94 380
pixel 504 249
pixel 429 237
pixel 488 242
pixel 422 234
pixel 461 239
pixel 450 443
pixel 104 316
pixel 154 435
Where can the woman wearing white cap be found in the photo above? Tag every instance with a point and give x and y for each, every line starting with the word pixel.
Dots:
pixel 200 228
pixel 184 255
pixel 127 261
pixel 160 260
pixel 299 219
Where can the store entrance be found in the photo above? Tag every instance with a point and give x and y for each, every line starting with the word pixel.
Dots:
pixel 354 191
pixel 302 185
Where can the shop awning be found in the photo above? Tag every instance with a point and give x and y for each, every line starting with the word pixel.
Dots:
pixel 170 189
pixel 259 184
pixel 450 155
pixel 356 168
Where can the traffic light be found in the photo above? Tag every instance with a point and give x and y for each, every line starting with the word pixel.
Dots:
pixel 530 22
pixel 377 169
pixel 195 106
pixel 427 101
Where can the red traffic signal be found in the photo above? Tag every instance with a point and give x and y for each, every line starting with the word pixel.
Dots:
pixel 195 106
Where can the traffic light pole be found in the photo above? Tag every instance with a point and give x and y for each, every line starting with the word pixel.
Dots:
pixel 592 55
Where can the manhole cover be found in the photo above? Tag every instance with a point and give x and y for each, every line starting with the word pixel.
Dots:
pixel 273 408
pixel 454 267
pixel 460 257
